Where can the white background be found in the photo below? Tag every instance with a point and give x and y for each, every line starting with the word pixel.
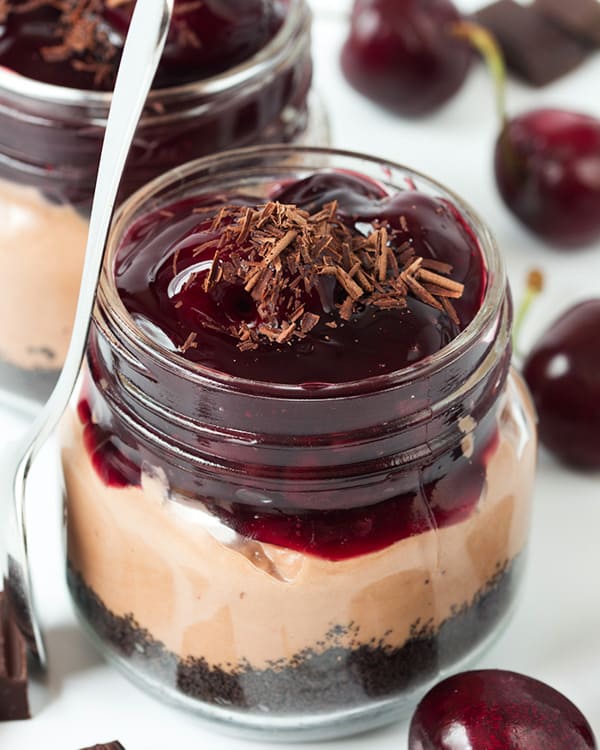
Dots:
pixel 555 635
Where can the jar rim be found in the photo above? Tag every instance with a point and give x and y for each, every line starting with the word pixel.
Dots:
pixel 253 68
pixel 114 309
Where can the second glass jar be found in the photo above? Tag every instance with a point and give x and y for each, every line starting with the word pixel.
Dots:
pixel 50 138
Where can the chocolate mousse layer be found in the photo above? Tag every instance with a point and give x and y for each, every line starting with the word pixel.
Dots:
pixel 330 676
pixel 235 622
pixel 40 266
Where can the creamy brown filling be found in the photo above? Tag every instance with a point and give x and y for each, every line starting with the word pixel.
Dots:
pixel 204 591
pixel 41 256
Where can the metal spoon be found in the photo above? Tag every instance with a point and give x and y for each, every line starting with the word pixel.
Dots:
pixel 141 54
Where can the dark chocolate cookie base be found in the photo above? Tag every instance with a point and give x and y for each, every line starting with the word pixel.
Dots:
pixel 328 677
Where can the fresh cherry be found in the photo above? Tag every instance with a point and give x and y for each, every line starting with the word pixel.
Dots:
pixel 547 165
pixel 562 374
pixel 494 709
pixel 403 53
pixel 209 36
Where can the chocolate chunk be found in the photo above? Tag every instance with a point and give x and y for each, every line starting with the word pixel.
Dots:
pixel 14 703
pixel 535 49
pixel 108 746
pixel 579 17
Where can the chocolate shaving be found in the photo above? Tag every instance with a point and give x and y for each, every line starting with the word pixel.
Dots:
pixel 214 273
pixel 286 252
pixel 218 220
pixel 345 280
pixel 81 35
pixel 175 260
pixel 439 291
pixel 441 281
pixel 437 265
pixel 450 311
pixel 189 343
pixel 346 309
pixel 382 253
pixel 309 321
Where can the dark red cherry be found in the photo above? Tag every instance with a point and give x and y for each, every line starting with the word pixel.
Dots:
pixel 563 374
pixel 403 55
pixel 492 709
pixel 208 36
pixel 547 165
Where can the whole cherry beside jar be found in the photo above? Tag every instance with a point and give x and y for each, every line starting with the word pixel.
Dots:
pixel 546 163
pixel 494 709
pixel 547 169
pixel 561 371
pixel 298 466
pixel 56 71
pixel 404 54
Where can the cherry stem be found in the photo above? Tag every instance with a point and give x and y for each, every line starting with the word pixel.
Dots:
pixel 535 284
pixel 487 46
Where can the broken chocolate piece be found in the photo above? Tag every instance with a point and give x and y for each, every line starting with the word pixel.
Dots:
pixel 107 746
pixel 581 18
pixel 535 49
pixel 14 703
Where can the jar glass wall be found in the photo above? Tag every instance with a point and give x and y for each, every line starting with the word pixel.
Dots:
pixel 50 138
pixel 404 501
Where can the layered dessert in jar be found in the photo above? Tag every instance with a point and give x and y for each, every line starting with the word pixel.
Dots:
pixel 298 466
pixel 233 73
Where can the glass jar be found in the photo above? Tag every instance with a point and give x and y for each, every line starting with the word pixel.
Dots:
pixel 162 458
pixel 50 138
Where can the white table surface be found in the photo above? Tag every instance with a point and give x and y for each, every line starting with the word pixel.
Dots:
pixel 555 634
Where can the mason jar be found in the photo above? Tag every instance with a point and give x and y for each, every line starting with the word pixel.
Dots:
pixel 403 501
pixel 50 139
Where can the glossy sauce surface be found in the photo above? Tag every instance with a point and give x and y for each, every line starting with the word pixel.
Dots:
pixel 206 38
pixel 160 277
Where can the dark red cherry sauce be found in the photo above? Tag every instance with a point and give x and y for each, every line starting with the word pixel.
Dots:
pixel 80 46
pixel 161 271
pixel 160 275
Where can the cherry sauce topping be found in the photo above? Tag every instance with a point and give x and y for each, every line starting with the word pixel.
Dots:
pixel 170 306
pixel 206 38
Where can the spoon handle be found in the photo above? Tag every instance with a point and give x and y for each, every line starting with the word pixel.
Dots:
pixel 141 53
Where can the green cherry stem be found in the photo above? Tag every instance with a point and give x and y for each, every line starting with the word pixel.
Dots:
pixel 535 285
pixel 487 46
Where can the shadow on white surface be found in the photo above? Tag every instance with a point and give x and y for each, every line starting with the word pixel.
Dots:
pixel 69 654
